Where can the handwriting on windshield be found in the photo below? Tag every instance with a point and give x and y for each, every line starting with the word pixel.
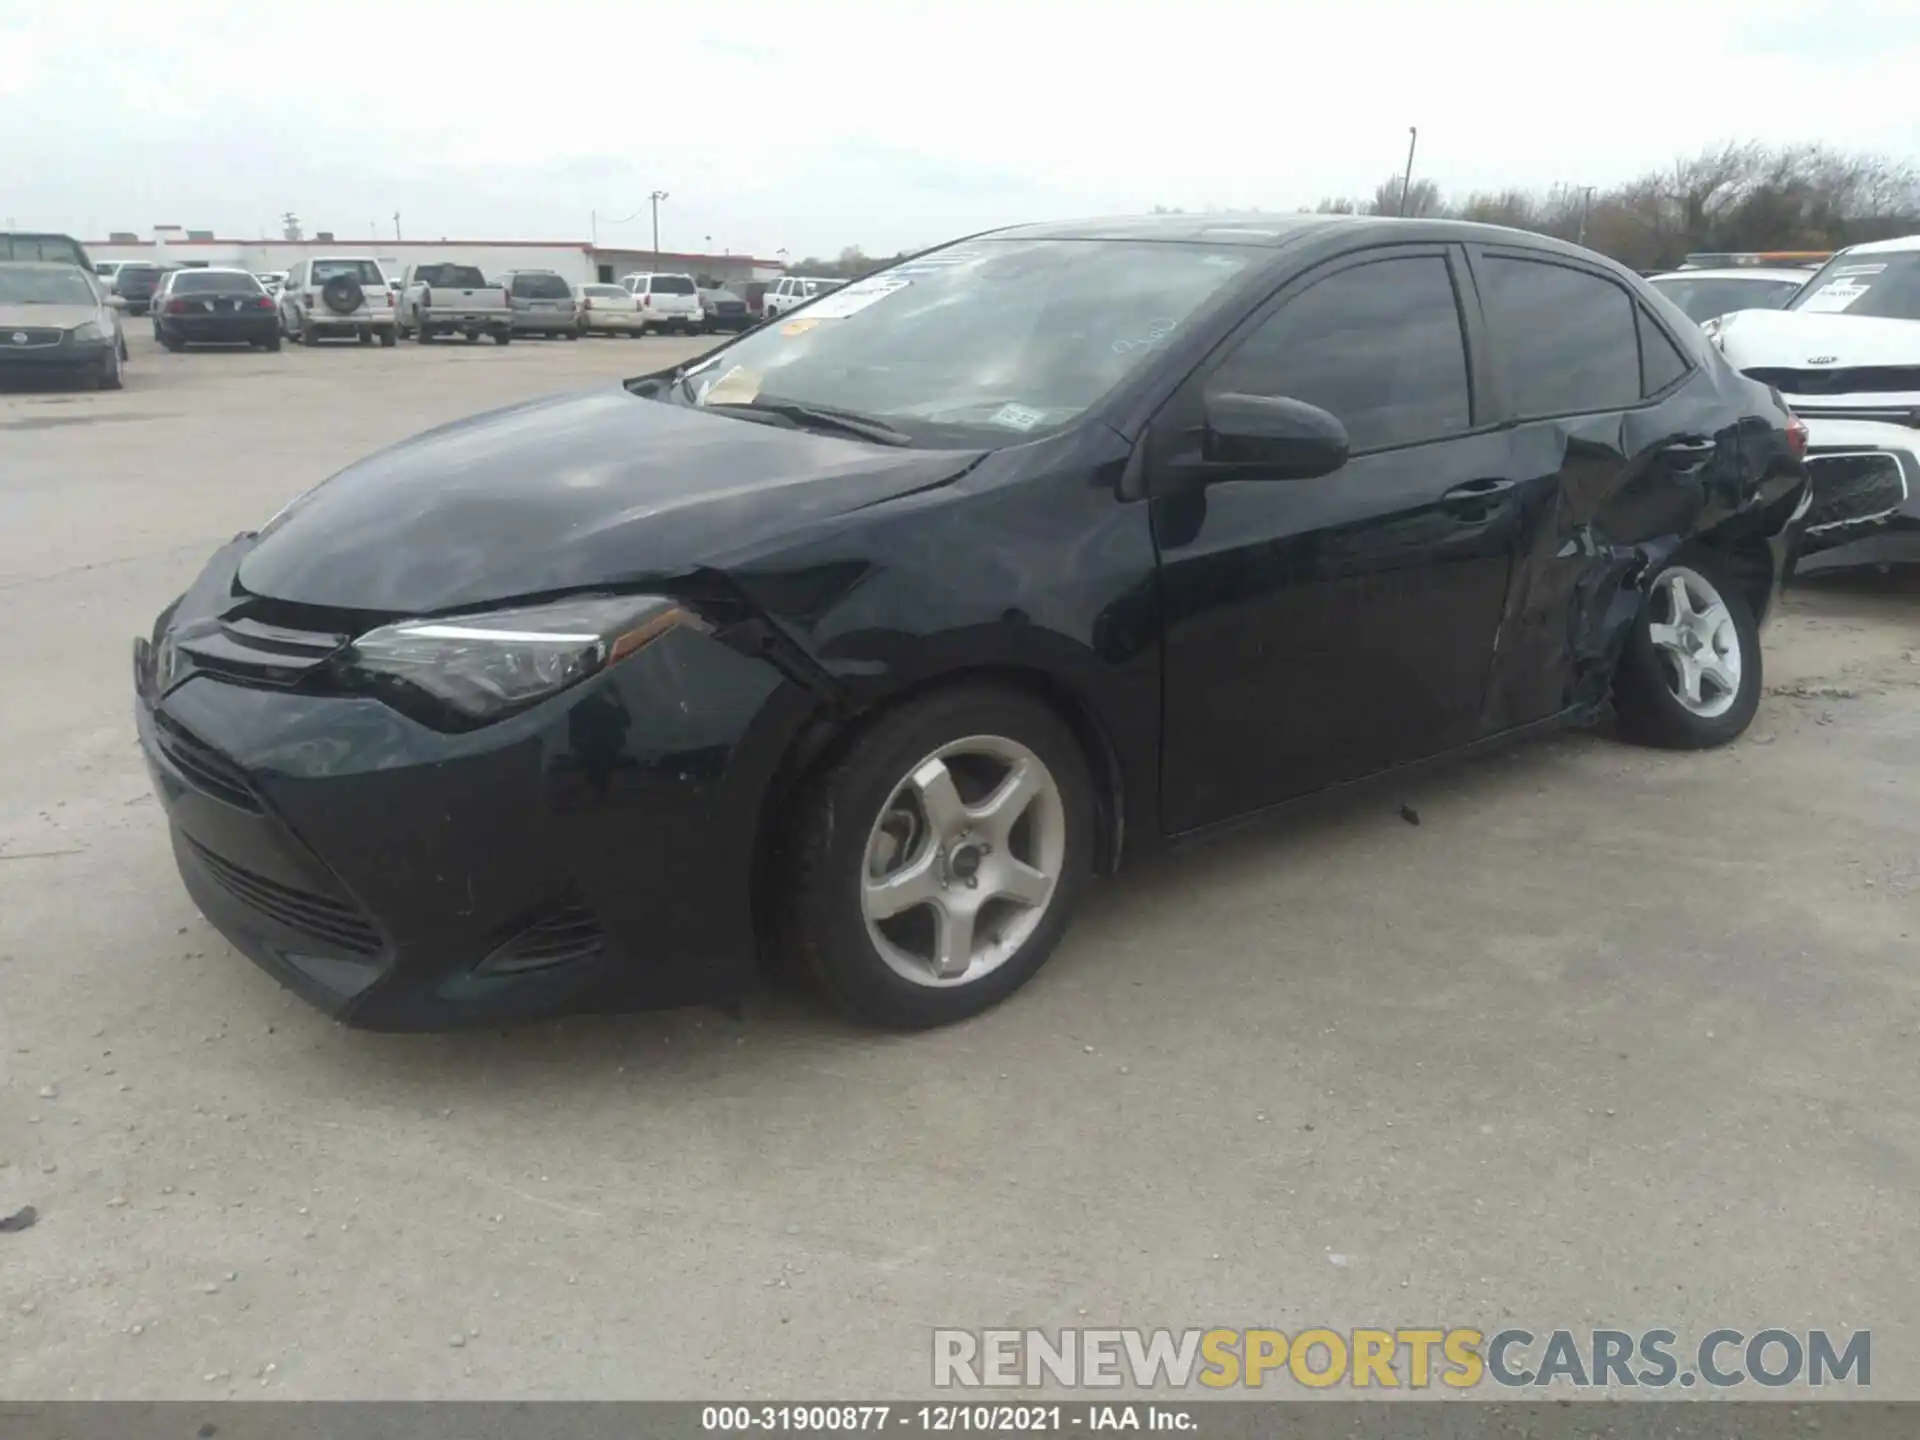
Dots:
pixel 1156 333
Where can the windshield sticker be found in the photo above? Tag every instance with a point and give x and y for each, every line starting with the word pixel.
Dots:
pixel 1155 333
pixel 1846 270
pixel 854 299
pixel 738 386
pixel 1832 298
pixel 1017 417
pixel 945 260
pixel 798 327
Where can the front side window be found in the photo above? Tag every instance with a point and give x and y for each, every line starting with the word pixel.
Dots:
pixel 1379 346
pixel 990 338
pixel 1564 338
pixel 1886 286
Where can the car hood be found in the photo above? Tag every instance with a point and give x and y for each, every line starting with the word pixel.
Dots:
pixel 62 317
pixel 601 488
pixel 1791 339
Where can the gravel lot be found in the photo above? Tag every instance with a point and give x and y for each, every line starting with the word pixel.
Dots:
pixel 1610 1038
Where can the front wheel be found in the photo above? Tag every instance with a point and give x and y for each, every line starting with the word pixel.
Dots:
pixel 1690 677
pixel 109 376
pixel 935 864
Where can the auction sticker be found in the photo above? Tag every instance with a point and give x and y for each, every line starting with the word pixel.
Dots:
pixel 855 298
pixel 798 327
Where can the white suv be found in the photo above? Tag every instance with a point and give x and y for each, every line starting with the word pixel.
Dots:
pixel 336 295
pixel 667 302
pixel 794 290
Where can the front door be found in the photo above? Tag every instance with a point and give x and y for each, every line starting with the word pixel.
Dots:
pixel 1318 630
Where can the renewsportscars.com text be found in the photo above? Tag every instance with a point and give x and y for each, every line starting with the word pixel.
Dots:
pixel 1414 1358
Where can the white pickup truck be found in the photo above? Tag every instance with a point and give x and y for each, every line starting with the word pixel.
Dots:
pixel 446 299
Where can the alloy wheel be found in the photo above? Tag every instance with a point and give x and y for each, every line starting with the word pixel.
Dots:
pixel 963 861
pixel 1693 635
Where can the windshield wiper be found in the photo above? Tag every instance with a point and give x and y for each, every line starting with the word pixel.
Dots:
pixel 813 417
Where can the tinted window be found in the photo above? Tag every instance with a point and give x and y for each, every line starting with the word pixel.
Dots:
pixel 1564 337
pixel 1706 299
pixel 365 271
pixel 673 285
pixel 189 282
pixel 1660 362
pixel 1378 345
pixel 466 277
pixel 541 287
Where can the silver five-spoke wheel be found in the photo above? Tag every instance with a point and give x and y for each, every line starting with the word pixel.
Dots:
pixel 1695 639
pixel 963 861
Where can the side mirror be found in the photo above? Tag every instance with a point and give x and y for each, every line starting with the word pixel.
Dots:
pixel 118 302
pixel 1273 438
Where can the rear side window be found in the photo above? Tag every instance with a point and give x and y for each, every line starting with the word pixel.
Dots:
pixel 541 287
pixel 1565 338
pixel 1660 362
pixel 1378 345
pixel 673 285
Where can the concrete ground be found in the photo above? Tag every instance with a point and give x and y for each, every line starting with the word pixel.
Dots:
pixel 1611 1038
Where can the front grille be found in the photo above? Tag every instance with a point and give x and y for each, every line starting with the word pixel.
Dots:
pixel 1853 380
pixel 325 919
pixel 204 767
pixel 1853 489
pixel 565 934
pixel 29 337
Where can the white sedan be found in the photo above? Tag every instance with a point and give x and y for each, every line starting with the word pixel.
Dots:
pixel 609 310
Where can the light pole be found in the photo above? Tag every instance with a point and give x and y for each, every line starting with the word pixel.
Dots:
pixel 654 199
pixel 1406 183
pixel 1586 211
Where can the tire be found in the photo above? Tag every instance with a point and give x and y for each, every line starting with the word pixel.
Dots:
pixel 172 344
pixel 1663 664
pixel 569 334
pixel 308 335
pixel 109 376
pixel 365 337
pixel 272 342
pixel 883 971
pixel 387 337
pixel 424 335
pixel 473 336
pixel 503 337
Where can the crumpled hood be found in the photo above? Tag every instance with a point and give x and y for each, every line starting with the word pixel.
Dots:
pixel 1791 339
pixel 601 488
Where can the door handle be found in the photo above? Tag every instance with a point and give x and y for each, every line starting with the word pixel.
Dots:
pixel 1690 453
pixel 1473 498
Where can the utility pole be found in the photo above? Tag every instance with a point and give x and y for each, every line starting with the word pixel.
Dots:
pixel 396 225
pixel 1406 183
pixel 654 199
pixel 1586 211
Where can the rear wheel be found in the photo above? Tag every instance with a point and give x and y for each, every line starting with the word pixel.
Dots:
pixel 387 337
pixel 272 342
pixel 502 337
pixel 1690 677
pixel 308 335
pixel 934 866
pixel 472 336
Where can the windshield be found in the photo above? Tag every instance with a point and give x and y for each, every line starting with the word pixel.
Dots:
pixel 1886 286
pixel 605 292
pixel 465 277
pixel 1704 299
pixel 189 282
pixel 1014 337
pixel 541 287
pixel 19 286
pixel 364 271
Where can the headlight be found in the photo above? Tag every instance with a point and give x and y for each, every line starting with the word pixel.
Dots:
pixel 90 330
pixel 487 666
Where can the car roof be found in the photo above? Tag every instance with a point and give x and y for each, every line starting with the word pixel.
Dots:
pixel 1744 272
pixel 1884 247
pixel 63 266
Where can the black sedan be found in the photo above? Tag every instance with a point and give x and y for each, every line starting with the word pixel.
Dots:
pixel 863 642
pixel 134 285
pixel 215 307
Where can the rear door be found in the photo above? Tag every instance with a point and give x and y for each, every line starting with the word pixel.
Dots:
pixel 1618 428
pixel 1321 629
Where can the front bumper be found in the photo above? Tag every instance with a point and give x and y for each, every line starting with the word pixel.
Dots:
pixel 1866 506
pixel 68 355
pixel 595 853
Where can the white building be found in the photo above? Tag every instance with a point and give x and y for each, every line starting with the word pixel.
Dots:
pixel 577 260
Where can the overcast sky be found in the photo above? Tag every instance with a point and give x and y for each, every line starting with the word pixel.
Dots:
pixel 808 127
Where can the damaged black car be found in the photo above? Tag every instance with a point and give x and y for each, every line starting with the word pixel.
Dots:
pixel 863 643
